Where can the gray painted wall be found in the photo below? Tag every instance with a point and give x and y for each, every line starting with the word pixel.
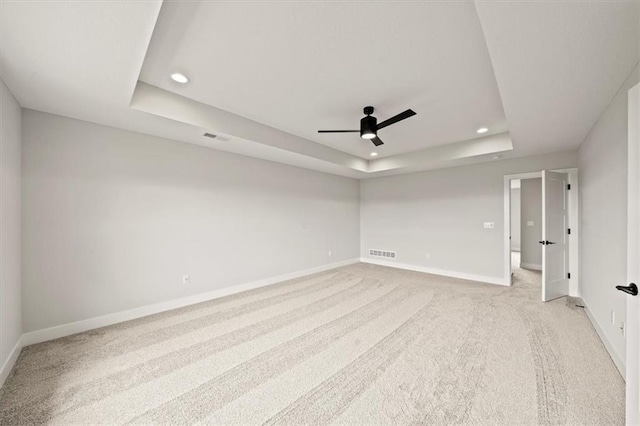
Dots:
pixel 441 212
pixel 10 211
pixel 113 219
pixel 530 248
pixel 603 197
pixel 515 219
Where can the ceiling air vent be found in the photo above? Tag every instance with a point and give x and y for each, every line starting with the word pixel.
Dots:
pixel 210 135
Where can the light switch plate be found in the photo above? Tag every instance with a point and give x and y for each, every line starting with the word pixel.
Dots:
pixel 489 225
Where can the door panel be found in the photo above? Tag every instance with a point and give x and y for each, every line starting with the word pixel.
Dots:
pixel 555 253
pixel 633 261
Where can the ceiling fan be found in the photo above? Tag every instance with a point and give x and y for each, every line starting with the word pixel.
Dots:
pixel 369 125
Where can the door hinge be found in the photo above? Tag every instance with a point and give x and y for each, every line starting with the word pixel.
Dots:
pixel 569 231
pixel 568 187
pixel 569 275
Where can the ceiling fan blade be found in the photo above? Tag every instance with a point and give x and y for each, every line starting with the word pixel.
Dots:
pixel 338 131
pixel 376 141
pixel 406 114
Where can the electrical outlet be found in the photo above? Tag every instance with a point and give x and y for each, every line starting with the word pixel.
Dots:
pixel 186 279
pixel 529 223
pixel 330 253
pixel 613 317
pixel 428 256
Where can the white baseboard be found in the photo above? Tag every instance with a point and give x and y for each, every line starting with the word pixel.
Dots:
pixel 452 274
pixel 532 266
pixel 117 317
pixel 607 344
pixel 11 361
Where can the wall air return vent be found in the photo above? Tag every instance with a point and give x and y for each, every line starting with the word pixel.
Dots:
pixel 382 253
pixel 210 135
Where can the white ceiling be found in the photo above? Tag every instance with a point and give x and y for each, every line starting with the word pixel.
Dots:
pixel 78 59
pixel 301 66
pixel 558 64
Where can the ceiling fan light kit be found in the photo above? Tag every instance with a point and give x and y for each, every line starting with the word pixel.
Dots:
pixel 369 125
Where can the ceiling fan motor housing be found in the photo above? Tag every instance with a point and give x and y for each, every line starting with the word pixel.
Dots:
pixel 368 127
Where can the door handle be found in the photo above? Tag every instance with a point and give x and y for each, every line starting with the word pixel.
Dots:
pixel 631 289
pixel 546 243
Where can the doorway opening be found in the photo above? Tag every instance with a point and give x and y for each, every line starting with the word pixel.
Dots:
pixel 526 224
pixel 541 229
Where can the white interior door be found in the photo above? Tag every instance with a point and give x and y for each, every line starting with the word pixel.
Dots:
pixel 633 261
pixel 555 238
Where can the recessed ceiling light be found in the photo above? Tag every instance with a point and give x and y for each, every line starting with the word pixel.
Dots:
pixel 374 154
pixel 179 78
pixel 482 130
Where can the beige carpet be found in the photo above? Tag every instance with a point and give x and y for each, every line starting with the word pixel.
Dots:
pixel 361 344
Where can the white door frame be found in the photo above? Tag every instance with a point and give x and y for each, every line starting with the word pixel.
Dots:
pixel 574 220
